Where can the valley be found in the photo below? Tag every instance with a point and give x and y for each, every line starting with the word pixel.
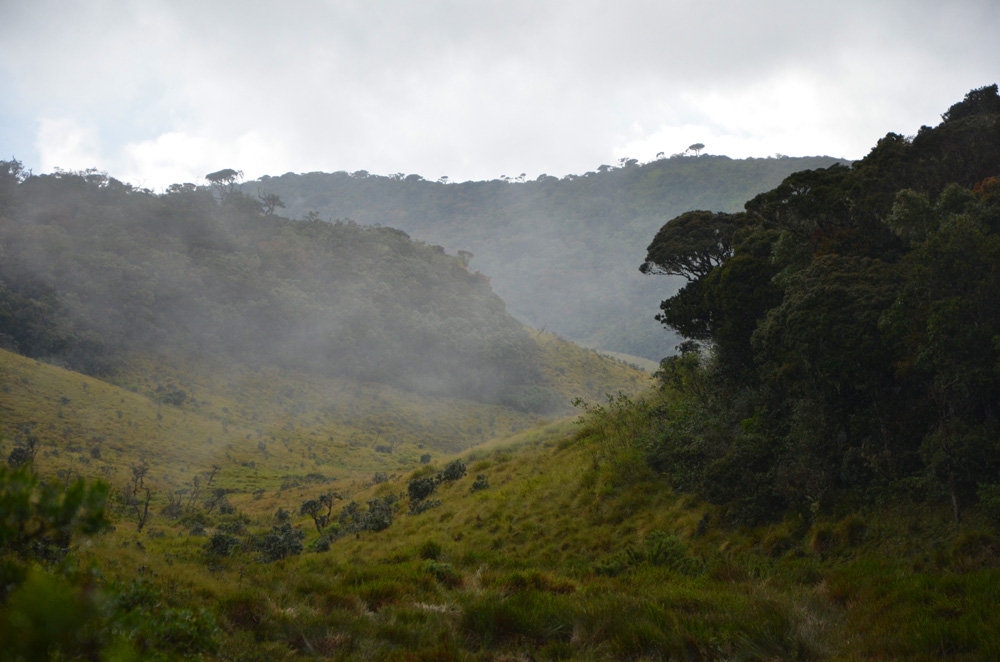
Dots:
pixel 229 435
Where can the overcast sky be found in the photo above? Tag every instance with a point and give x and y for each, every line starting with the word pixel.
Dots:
pixel 163 91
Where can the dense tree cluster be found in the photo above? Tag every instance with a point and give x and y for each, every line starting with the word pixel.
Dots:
pixel 849 327
pixel 558 250
pixel 92 269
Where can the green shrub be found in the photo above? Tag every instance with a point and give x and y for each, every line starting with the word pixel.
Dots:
pixel 421 488
pixel 221 545
pixel 665 550
pixel 46 618
pixel 379 515
pixel 280 542
pixel 658 549
pixel 38 520
pixel 424 506
pixel 453 471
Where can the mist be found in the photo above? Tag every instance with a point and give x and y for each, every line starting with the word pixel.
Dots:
pixel 99 271
pixel 563 253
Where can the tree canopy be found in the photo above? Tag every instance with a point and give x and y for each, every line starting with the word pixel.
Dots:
pixel 557 250
pixel 691 245
pixel 855 310
pixel 94 270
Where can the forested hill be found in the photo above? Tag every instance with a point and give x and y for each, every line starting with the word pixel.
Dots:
pixel 92 270
pixel 561 252
pixel 853 316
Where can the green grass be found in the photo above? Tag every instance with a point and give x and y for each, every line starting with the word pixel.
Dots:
pixel 573 552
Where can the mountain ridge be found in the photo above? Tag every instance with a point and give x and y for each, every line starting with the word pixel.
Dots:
pixel 563 253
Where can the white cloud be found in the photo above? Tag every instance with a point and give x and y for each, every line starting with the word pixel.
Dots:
pixel 178 157
pixel 171 88
pixel 63 143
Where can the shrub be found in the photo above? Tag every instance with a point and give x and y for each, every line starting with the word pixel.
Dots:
pixel 221 545
pixel 454 471
pixel 329 535
pixel 378 517
pixel 233 526
pixel 280 542
pixel 659 549
pixel 480 483
pixel 423 506
pixel 665 550
pixel 421 488
pixel 39 519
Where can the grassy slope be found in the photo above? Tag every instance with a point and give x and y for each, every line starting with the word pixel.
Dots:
pixel 557 559
pixel 263 428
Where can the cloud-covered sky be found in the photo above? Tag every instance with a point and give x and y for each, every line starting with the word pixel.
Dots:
pixel 163 91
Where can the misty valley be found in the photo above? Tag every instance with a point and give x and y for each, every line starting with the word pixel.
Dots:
pixel 698 408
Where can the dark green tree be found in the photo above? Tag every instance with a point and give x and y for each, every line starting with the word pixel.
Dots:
pixel 691 245
pixel 225 182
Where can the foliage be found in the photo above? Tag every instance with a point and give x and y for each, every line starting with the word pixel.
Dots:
pixel 850 334
pixel 658 549
pixel 221 544
pixel 691 245
pixel 96 272
pixel 453 471
pixel 556 250
pixel 424 506
pixel 39 519
pixel 279 543
pixel 420 488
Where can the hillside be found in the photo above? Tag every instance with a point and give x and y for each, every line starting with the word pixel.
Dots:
pixel 844 330
pixel 95 272
pixel 558 542
pixel 262 427
pixel 563 253
pixel 814 477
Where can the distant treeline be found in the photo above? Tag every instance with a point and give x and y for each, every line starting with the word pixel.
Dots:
pixel 845 329
pixel 561 252
pixel 92 269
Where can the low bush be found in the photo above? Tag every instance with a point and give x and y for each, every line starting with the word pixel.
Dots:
pixel 279 543
pixel 453 471
pixel 221 545
pixel 421 488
